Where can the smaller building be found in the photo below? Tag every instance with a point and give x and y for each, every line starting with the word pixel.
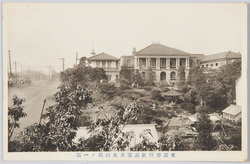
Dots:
pixel 233 112
pixel 217 60
pixel 109 63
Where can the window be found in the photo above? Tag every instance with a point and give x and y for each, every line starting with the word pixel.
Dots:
pixel 97 63
pixel 163 62
pixel 103 63
pixel 183 62
pixel 216 64
pixel 202 66
pixel 206 65
pixel 109 64
pixel 172 76
pixel 172 62
pixel 142 62
pixel 153 62
pixel 143 75
pixel 211 65
pixel 182 75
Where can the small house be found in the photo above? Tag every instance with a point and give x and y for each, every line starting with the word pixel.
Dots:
pixel 233 112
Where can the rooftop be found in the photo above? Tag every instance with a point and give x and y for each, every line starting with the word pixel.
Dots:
pixel 159 49
pixel 233 110
pixel 103 56
pixel 222 55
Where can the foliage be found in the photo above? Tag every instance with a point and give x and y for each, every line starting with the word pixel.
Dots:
pixel 58 129
pixel 107 134
pixel 156 94
pixel 188 107
pixel 14 114
pixel 205 140
pixel 127 74
pixel 82 75
pixel 149 77
pixel 138 79
pixel 146 144
pixel 170 142
pixel 108 89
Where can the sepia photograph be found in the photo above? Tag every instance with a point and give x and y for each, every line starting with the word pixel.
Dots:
pixel 128 82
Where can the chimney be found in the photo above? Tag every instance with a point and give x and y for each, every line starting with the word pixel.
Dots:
pixel 134 51
pixel 93 52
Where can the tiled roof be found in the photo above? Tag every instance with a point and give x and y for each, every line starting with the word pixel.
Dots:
pixel 198 56
pixel 222 55
pixel 103 56
pixel 159 49
pixel 233 110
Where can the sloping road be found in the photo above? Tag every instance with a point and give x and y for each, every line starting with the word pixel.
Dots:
pixel 34 95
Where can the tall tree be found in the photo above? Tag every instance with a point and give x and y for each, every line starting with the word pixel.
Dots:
pixel 205 140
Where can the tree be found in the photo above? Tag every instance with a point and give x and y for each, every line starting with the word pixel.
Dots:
pixel 58 129
pixel 82 75
pixel 107 133
pixel 14 114
pixel 139 80
pixel 127 74
pixel 149 77
pixel 205 140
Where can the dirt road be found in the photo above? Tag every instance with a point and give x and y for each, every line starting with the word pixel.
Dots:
pixel 34 95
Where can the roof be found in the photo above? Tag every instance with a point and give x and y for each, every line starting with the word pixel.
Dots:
pixel 103 56
pixel 172 93
pixel 138 129
pixel 233 110
pixel 127 56
pixel 198 56
pixel 159 49
pixel 222 55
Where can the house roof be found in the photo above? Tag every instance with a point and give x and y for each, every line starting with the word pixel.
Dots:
pixel 103 56
pixel 138 129
pixel 222 55
pixel 159 49
pixel 233 110
pixel 198 56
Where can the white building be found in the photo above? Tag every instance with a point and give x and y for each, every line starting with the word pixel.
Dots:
pixel 217 60
pixel 109 63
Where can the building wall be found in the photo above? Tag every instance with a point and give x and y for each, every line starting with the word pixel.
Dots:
pixel 239 89
pixel 213 64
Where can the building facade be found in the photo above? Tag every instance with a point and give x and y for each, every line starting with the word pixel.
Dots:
pixel 109 63
pixel 215 61
pixel 167 64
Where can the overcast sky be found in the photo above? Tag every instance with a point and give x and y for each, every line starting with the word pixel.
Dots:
pixel 39 34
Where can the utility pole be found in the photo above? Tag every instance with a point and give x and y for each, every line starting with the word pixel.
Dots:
pixel 49 73
pixel 10 64
pixel 62 62
pixel 76 57
pixel 15 74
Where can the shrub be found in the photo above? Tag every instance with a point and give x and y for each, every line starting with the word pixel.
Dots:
pixel 156 94
pixel 188 107
pixel 147 88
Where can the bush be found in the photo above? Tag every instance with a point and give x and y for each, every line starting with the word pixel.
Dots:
pixel 188 107
pixel 156 94
pixel 148 88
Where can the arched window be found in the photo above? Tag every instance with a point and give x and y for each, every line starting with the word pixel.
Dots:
pixel 172 76
pixel 163 76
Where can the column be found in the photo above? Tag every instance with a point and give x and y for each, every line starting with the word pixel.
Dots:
pixel 177 62
pixel 187 62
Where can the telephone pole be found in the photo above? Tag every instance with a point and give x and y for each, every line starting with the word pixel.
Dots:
pixel 10 64
pixel 62 62
pixel 49 73
pixel 76 57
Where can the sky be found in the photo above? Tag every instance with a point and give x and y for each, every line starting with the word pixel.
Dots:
pixel 37 35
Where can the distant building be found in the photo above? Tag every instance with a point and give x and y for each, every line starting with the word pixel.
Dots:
pixel 164 62
pixel 109 63
pixel 215 61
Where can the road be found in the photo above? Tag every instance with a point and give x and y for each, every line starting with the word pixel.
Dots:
pixel 34 95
